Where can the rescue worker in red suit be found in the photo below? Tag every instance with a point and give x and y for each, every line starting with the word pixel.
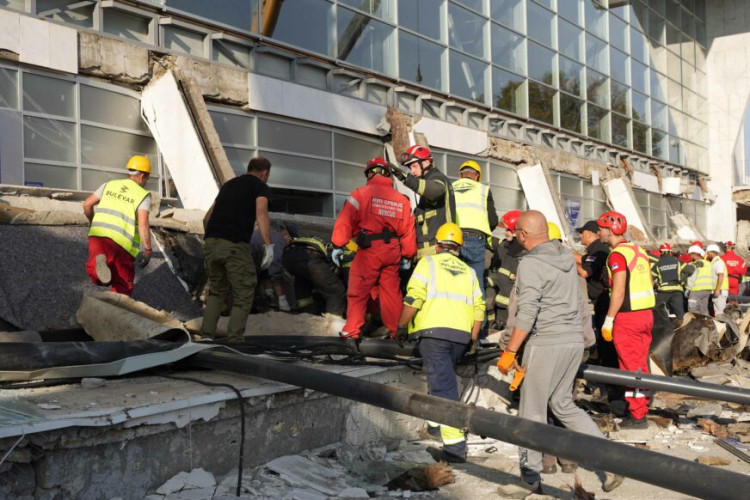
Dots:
pixel 736 268
pixel 379 219
pixel 630 315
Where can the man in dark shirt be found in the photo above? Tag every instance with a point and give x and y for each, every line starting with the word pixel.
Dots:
pixel 592 267
pixel 229 263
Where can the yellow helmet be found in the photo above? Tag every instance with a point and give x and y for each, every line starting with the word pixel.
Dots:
pixel 450 233
pixel 140 164
pixel 554 231
pixel 352 246
pixel 472 165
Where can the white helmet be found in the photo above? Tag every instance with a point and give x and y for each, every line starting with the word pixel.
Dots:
pixel 713 247
pixel 696 249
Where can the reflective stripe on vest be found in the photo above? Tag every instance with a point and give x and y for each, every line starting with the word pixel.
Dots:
pixel 115 214
pixel 668 271
pixel 725 282
pixel 703 280
pixel 639 276
pixel 310 243
pixel 451 289
pixel 471 205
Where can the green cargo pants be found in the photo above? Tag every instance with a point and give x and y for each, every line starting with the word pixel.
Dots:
pixel 228 265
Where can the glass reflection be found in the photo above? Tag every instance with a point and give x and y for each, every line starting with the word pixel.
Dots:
pixel 541 63
pixel 303 23
pixel 508 49
pixel 570 40
pixel 364 41
pixel 541 103
pixel 640 137
pixel 570 10
pixel 597 124
pixel 619 65
pixel 467 31
pixel 571 76
pixel 541 25
pixel 596 18
pixel 467 77
pixel 597 89
pixel 422 16
pixel 618 33
pixel 596 54
pixel 620 130
pixel 619 98
pixel 639 76
pixel 508 12
pixel 378 8
pixel 236 13
pixel 421 61
pixel 509 91
pixel 640 106
pixel 571 113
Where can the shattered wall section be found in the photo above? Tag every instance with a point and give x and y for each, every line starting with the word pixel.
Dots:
pixel 113 59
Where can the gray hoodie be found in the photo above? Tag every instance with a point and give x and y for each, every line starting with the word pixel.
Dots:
pixel 548 296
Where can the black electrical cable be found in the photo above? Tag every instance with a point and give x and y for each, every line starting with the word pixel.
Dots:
pixel 240 399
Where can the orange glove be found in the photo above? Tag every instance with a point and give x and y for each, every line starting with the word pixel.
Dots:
pixel 607 327
pixel 506 361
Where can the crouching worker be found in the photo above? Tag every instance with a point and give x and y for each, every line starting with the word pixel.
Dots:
pixel 546 288
pixel 444 311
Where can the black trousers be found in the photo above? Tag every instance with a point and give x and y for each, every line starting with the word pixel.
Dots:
pixel 674 301
pixel 314 274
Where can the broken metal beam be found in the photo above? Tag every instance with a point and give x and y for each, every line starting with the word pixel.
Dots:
pixel 672 473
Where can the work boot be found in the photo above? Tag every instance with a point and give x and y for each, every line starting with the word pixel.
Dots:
pixel 568 468
pixel 612 481
pixel 103 273
pixel 633 423
pixel 443 456
pixel 519 490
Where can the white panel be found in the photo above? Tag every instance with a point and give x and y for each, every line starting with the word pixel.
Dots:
pixel 289 99
pixel 622 200
pixel 35 41
pixel 646 181
pixel 539 194
pixel 167 116
pixel 672 185
pixel 10 31
pixel 63 48
pixel 454 137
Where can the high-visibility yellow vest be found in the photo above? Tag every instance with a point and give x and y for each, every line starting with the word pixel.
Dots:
pixel 115 216
pixel 471 205
pixel 640 289
pixel 703 279
pixel 446 293
pixel 725 282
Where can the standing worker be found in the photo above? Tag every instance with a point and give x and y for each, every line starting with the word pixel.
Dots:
pixel 667 273
pixel 229 262
pixel 719 279
pixel 380 220
pixel 503 267
pixel 120 235
pixel 547 279
pixel 699 283
pixel 437 204
pixel 736 268
pixel 444 311
pixel 476 215
pixel 630 317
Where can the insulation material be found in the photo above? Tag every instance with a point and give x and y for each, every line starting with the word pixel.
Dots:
pixel 646 181
pixel 454 137
pixel 686 231
pixel 620 195
pixel 168 117
pixel 400 128
pixel 541 196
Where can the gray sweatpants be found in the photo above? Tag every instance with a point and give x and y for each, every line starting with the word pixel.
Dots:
pixel 698 302
pixel 550 373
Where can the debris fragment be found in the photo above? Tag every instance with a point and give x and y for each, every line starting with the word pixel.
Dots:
pixel 426 478
pixel 48 406
pixel 579 492
pixel 663 422
pixel 712 460
pixel 713 428
pixel 92 383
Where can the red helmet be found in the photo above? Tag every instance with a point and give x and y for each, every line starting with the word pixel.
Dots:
pixel 665 248
pixel 697 244
pixel 729 244
pixel 614 221
pixel 415 153
pixel 510 219
pixel 378 166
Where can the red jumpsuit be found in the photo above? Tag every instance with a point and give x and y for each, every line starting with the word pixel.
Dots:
pixel 736 268
pixel 374 208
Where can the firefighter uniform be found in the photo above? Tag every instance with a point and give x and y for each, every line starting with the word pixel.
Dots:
pixel 436 206
pixel 667 272
pixel 307 260
pixel 736 268
pixel 445 291
pixel 501 279
pixel 380 220
pixel 635 319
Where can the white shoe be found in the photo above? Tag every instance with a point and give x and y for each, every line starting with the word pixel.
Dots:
pixel 284 304
pixel 103 273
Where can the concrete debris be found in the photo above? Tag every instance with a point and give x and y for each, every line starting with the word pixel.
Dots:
pixel 579 491
pixel 712 460
pixel 278 323
pixel 353 493
pixel 705 410
pixel 49 406
pixel 197 480
pixel 302 471
pixel 93 383
pixel 713 428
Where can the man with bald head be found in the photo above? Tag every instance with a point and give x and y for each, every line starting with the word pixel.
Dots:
pixel 548 314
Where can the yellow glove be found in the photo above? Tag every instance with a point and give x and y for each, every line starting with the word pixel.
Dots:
pixel 506 361
pixel 607 328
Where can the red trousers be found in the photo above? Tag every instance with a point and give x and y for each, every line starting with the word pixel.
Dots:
pixel 734 286
pixel 120 263
pixel 374 267
pixel 632 338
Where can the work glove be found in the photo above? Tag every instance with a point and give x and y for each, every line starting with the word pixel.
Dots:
pixel 607 327
pixel 336 255
pixel 402 335
pixel 506 361
pixel 471 348
pixel 143 258
pixel 405 264
pixel 265 262
pixel 397 172
pixel 270 294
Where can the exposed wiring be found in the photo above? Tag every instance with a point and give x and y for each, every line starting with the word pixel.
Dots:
pixel 241 402
pixel 10 450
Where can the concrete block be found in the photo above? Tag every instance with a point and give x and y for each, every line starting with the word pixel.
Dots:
pixel 10 32
pixel 705 410
pixel 112 58
pixel 218 82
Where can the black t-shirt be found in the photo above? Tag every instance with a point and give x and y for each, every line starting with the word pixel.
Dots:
pixel 595 263
pixel 233 217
